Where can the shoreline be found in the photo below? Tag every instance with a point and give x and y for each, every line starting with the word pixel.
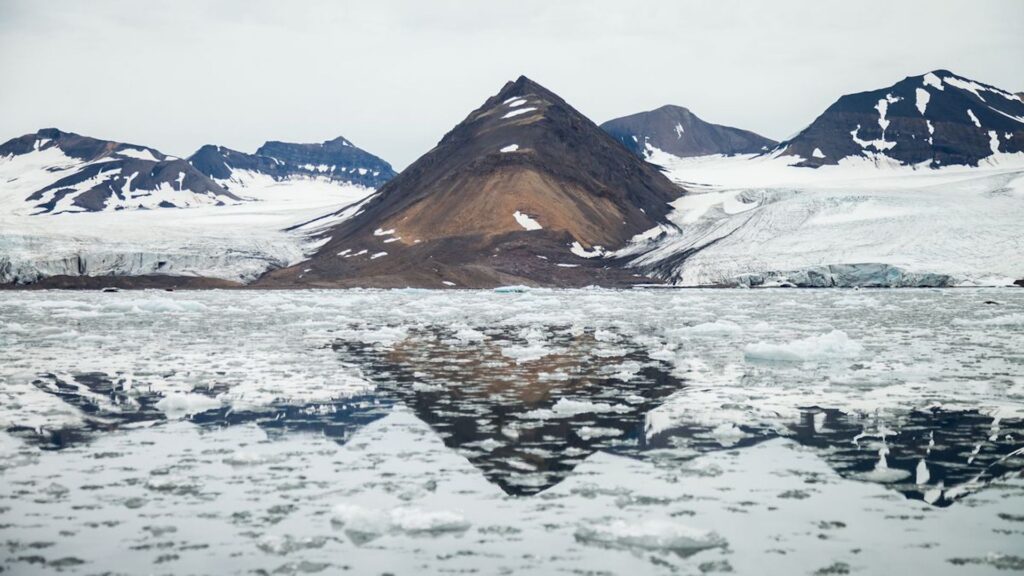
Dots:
pixel 190 283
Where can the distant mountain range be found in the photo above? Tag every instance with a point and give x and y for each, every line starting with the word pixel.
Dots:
pixel 936 119
pixel 64 172
pixel 679 132
pixel 59 172
pixel 335 160
pixel 527 190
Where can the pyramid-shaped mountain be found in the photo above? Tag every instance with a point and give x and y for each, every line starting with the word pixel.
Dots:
pixel 935 119
pixel 525 190
pixel 682 133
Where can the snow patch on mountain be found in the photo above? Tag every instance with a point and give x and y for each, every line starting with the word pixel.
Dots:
pixel 936 119
pixel 526 221
pixel 48 180
pixel 137 153
pixel 923 96
pixel 930 79
pixel 582 252
pixel 517 112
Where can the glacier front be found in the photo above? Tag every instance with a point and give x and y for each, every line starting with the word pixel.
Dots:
pixel 758 221
pixel 237 242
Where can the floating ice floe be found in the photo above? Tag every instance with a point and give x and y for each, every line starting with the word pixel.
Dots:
pixel 590 432
pixel 370 523
pixel 178 405
pixel 527 353
pixel 1006 320
pixel 648 535
pixel 567 408
pixel 835 345
pixel 716 328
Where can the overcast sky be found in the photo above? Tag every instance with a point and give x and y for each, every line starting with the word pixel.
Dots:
pixel 393 76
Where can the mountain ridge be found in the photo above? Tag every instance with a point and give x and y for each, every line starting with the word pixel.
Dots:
pixel 678 131
pixel 936 119
pixel 59 171
pixel 335 160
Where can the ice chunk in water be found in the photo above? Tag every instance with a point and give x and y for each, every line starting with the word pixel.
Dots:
pixel 660 535
pixel 834 345
pixel 179 405
pixel 566 408
pixel 364 524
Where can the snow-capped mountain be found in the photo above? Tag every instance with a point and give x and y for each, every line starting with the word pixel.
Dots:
pixel 53 172
pixel 677 131
pixel 524 190
pixel 66 218
pixel 936 119
pixel 335 160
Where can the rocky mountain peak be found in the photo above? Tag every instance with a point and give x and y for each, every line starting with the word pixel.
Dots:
pixel 934 119
pixel 523 184
pixel 678 131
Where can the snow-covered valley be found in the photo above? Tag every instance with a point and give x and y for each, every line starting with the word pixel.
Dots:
pixel 758 220
pixel 236 242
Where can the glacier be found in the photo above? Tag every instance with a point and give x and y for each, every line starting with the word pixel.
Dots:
pixel 755 221
pixel 237 242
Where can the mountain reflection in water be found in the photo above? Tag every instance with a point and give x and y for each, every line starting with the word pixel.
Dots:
pixel 526 414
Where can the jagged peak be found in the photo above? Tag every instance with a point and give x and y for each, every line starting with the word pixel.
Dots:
pixel 52 133
pixel 524 86
pixel 208 148
pixel 339 141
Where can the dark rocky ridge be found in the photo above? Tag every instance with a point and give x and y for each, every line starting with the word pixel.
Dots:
pixel 679 132
pixel 337 160
pixel 960 123
pixel 117 168
pixel 449 219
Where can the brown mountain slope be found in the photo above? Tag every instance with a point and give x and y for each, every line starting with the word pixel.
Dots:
pixel 501 199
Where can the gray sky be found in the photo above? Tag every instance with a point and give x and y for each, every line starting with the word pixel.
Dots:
pixel 394 75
